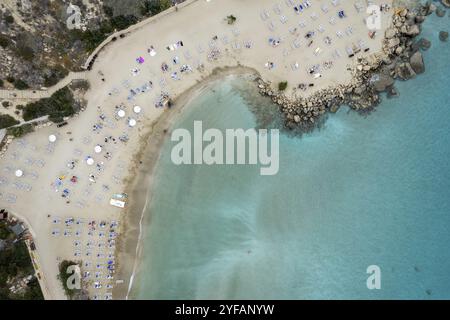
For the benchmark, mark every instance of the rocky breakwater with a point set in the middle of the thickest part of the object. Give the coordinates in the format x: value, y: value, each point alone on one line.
x: 399, y: 59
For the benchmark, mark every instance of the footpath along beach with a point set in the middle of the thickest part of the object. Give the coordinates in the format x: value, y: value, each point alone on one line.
x: 139, y: 83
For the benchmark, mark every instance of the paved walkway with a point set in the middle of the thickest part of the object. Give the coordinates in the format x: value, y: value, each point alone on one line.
x: 39, y: 94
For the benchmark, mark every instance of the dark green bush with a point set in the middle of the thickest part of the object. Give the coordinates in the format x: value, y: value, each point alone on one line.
x: 7, y: 121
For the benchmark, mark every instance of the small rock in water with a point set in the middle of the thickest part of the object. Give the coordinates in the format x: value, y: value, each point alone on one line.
x: 443, y: 35
x: 416, y: 62
x: 423, y: 44
x: 446, y: 3
x: 440, y: 12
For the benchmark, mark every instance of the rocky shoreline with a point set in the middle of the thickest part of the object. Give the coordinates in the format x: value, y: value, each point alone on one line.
x: 400, y: 59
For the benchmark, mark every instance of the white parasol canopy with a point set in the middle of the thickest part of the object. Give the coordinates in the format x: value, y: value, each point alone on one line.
x: 121, y: 113
x: 132, y: 122
x: 19, y: 173
x: 52, y: 138
x: 98, y: 149
x: 137, y: 109
x: 90, y: 161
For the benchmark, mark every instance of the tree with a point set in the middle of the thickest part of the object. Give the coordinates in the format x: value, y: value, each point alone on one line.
x: 231, y: 19
x: 282, y: 85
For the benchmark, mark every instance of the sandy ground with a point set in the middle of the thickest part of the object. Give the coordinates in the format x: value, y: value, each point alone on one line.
x: 62, y: 226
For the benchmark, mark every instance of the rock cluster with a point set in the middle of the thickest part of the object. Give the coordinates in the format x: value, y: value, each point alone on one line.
x: 399, y: 59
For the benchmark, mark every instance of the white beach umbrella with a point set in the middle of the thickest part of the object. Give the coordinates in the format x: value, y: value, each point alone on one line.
x: 90, y: 161
x: 19, y: 173
x: 121, y: 113
x: 137, y: 109
x: 132, y: 122
x: 52, y: 138
x: 98, y: 149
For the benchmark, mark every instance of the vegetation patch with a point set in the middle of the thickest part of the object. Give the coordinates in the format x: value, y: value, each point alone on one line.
x: 7, y: 121
x: 15, y: 266
x: 20, y: 131
x: 282, y: 85
x: 61, y: 104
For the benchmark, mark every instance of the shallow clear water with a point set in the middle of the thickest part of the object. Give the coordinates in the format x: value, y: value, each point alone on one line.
x: 360, y: 191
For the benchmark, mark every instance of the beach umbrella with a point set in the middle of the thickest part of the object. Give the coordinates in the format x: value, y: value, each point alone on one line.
x: 98, y: 149
x: 137, y: 109
x: 19, y: 173
x: 52, y: 138
x: 132, y: 122
x: 121, y: 113
x: 90, y: 161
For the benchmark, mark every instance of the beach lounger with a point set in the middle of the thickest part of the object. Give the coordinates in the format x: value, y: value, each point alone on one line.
x: 225, y: 40
x: 339, y: 34
x: 335, y: 2
x: 289, y: 3
x: 200, y: 49
x: 314, y: 16
x: 332, y: 21
x: 283, y: 19
x: 324, y: 8
x: 264, y: 16
x: 359, y: 7
x: 187, y: 55
x: 317, y: 51
x: 294, y: 66
x: 296, y: 44
x: 350, y: 52
x: 302, y: 23
x: 349, y: 31
x: 337, y: 54
x: 320, y: 28
x: 277, y: 9
x: 236, y: 32
x: 286, y: 52
x: 362, y: 44
x: 271, y: 26
x: 248, y: 44
x: 236, y: 45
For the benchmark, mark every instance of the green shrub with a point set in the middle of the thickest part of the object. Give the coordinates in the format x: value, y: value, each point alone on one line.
x: 20, y: 131
x: 282, y: 85
x: 231, y: 19
x: 9, y: 19
x: 20, y: 85
x: 7, y: 121
x: 4, y: 41
x: 2, y: 83
x: 153, y: 7
x: 59, y: 105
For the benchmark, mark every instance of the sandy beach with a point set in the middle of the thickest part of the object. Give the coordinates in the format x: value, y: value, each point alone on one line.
x: 65, y: 191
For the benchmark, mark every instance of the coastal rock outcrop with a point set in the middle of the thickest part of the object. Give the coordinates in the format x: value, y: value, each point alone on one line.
x: 382, y: 81
x: 443, y: 35
x: 404, y: 71
x: 416, y: 62
x: 400, y: 58
x: 446, y: 3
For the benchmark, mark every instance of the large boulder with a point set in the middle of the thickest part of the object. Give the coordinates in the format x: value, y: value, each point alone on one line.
x: 390, y: 33
x: 443, y: 35
x: 382, y: 81
x: 405, y: 71
x: 416, y: 62
x: 446, y: 3
x: 413, y: 30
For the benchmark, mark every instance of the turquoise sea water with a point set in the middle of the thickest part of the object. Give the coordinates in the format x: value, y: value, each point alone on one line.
x: 361, y: 191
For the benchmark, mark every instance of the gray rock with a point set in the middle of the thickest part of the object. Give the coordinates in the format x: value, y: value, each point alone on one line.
x: 413, y: 30
x: 405, y: 71
x: 440, y: 12
x: 393, y: 42
x: 446, y: 3
x: 416, y: 62
x: 419, y: 19
x: 443, y: 35
x: 390, y: 33
x: 382, y: 81
x: 423, y: 44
